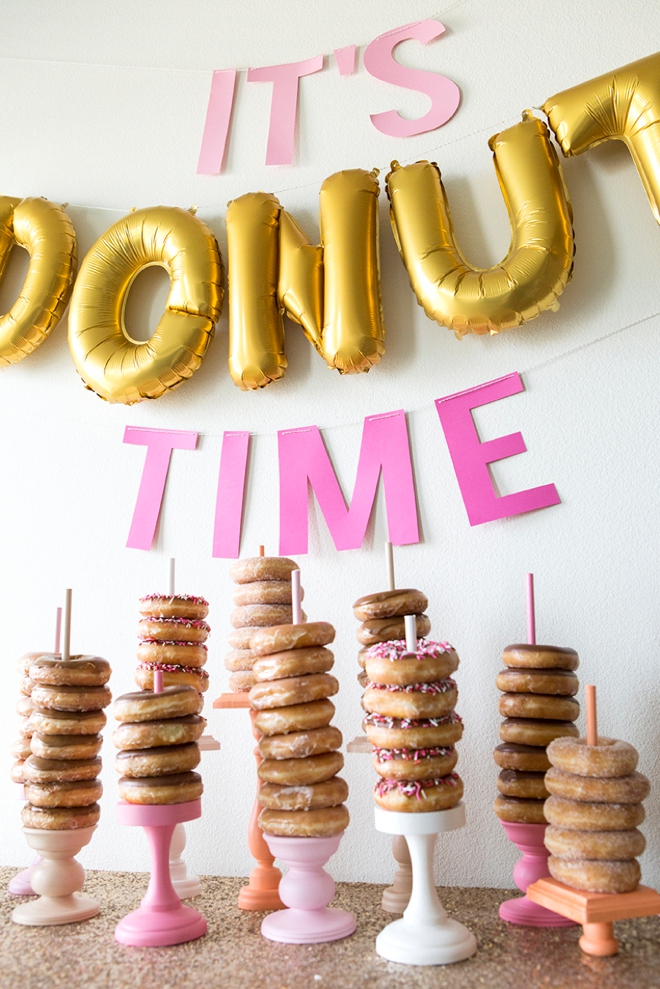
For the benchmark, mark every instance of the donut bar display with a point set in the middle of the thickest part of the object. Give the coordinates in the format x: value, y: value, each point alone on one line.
x: 172, y: 638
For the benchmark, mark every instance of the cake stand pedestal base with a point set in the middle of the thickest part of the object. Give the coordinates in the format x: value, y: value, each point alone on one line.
x: 528, y: 838
x: 56, y: 878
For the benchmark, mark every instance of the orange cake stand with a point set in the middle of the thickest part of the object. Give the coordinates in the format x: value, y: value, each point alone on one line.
x: 595, y: 911
x: 261, y: 892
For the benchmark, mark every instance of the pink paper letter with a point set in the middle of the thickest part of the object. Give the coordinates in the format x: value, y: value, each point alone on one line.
x: 303, y: 458
x: 471, y: 457
x: 284, y: 105
x: 345, y: 58
x: 445, y: 95
x: 231, y: 490
x: 159, y: 444
x: 218, y: 117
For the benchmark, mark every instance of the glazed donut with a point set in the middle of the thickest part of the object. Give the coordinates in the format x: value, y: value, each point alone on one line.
x: 178, y: 788
x: 67, y: 722
x: 578, y: 815
x: 26, y: 685
x: 240, y: 659
x: 27, y: 659
x: 525, y: 758
x: 414, y: 764
x: 403, y: 672
x: 299, y: 744
x: 388, y: 604
x: 39, y: 770
x: 21, y: 748
x: 293, y: 663
x: 519, y: 811
x: 301, y: 772
x: 539, y: 706
x: 613, y: 790
x: 293, y: 691
x: 528, y: 731
x: 173, y: 653
x: 383, y: 629
x: 60, y: 818
x: 419, y: 796
x: 281, y: 638
x: 613, y: 845
x: 416, y: 700
x: 179, y: 606
x: 321, y: 823
x: 362, y: 656
x: 258, y: 568
x: 25, y: 728
x: 363, y: 679
x: 66, y: 746
x: 161, y: 760
x: 150, y: 734
x: 261, y: 615
x: 596, y: 877
x: 17, y: 772
x: 609, y: 758
x: 412, y: 733
x: 558, y: 682
x: 527, y: 786
x: 24, y: 706
x: 82, y: 793
x: 78, y: 671
x: 172, y: 702
x: 173, y: 676
x: 523, y: 656
x: 65, y: 698
x: 242, y: 681
x: 295, y: 717
x: 330, y: 793
x: 264, y: 592
x: 173, y: 629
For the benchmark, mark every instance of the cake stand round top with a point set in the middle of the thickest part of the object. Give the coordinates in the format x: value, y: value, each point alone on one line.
x: 426, y: 822
x: 158, y: 814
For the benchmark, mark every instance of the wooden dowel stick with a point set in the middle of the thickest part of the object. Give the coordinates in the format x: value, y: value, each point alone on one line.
x: 295, y: 597
x: 389, y: 566
x: 66, y: 645
x: 531, y: 614
x: 58, y: 629
x: 262, y: 551
x: 411, y: 633
x: 172, y: 575
x: 592, y: 720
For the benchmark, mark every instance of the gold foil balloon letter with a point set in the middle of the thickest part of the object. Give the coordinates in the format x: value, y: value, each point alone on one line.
x: 331, y: 290
x: 112, y: 364
x: 623, y: 105
x: 46, y: 233
x: 540, y: 259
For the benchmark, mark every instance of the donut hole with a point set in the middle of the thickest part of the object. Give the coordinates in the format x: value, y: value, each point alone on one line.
x: 145, y: 302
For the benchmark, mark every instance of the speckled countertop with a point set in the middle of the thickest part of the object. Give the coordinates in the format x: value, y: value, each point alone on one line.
x: 234, y: 955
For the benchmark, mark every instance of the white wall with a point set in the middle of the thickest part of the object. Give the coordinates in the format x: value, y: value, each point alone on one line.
x: 103, y: 105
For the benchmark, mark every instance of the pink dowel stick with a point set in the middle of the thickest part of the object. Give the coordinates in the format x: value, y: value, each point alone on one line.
x: 531, y: 614
x: 389, y: 566
x: 592, y: 723
x: 66, y: 645
x: 411, y: 633
x: 295, y: 597
x: 158, y: 681
x: 58, y: 629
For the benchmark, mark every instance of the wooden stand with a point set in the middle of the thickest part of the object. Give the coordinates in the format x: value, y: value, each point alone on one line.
x: 56, y: 879
x: 261, y: 892
x: 595, y: 911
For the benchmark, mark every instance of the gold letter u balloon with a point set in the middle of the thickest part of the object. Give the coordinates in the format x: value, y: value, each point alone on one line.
x: 540, y: 258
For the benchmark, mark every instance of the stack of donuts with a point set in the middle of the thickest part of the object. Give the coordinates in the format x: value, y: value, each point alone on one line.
x: 61, y: 775
x: 382, y: 617
x: 594, y: 810
x: 172, y: 634
x: 157, y: 742
x: 412, y: 725
x: 262, y: 599
x: 539, y: 685
x: 301, y: 794
x: 21, y: 750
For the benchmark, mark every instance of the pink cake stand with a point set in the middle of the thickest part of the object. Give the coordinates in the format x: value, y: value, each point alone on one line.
x: 306, y: 889
x: 161, y: 919
x: 533, y: 865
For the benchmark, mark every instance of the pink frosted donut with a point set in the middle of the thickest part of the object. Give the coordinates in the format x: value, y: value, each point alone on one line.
x: 176, y: 606
x: 177, y: 653
x: 391, y: 663
x: 173, y: 629
x: 173, y: 676
x: 415, y: 797
x: 415, y: 700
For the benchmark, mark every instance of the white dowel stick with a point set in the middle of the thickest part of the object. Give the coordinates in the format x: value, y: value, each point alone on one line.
x: 531, y: 611
x: 389, y: 566
x: 58, y: 629
x: 411, y: 633
x: 66, y: 644
x: 172, y: 574
x: 295, y: 597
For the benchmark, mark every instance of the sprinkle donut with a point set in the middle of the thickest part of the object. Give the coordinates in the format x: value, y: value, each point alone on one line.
x: 412, y: 733
x: 173, y: 606
x: 281, y: 638
x: 383, y: 629
x: 301, y: 772
x: 305, y: 823
x: 595, y: 876
x: 173, y: 675
x: 415, y: 700
x: 172, y: 702
x: 390, y: 604
x: 315, y: 796
x: 389, y: 662
x: 295, y: 717
x: 606, y: 759
x: 293, y: 691
x: 414, y: 764
x: 174, y: 653
x: 419, y: 796
x: 258, y: 568
x: 173, y: 629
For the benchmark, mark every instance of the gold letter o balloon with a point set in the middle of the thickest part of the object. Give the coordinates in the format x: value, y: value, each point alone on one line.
x: 47, y: 234
x: 112, y: 364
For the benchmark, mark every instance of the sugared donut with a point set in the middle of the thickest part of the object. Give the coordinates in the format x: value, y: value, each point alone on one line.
x: 412, y: 733
x: 240, y: 659
x: 299, y: 744
x: 305, y: 823
x: 415, y: 700
x: 178, y: 788
x: 529, y: 731
x: 149, y: 734
x: 539, y: 706
x: 264, y: 592
x: 81, y: 793
x: 293, y: 690
x: 242, y: 681
x: 240, y: 638
x: 526, y: 786
x: 38, y: 770
x: 388, y: 604
x: 614, y: 789
x: 78, y: 671
x: 173, y: 676
x: 66, y: 746
x: 578, y: 815
x: 295, y: 717
x: 558, y: 682
x: 330, y: 793
x: 160, y: 760
x: 177, y: 606
x: 60, y: 818
x: 614, y: 845
x: 172, y: 653
x: 48, y: 722
x: 301, y: 772
x: 280, y: 638
x: 173, y: 629
x: 524, y: 758
x: 172, y: 702
x: 383, y: 629
x: 595, y: 876
x: 258, y: 568
x: 390, y: 662
x: 65, y: 698
x: 260, y: 615
x: 419, y: 796
x: 414, y: 764
x: 293, y: 663
x: 608, y: 758
x: 534, y: 657
x: 518, y: 811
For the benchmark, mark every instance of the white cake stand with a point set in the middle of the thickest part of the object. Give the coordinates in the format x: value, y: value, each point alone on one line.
x: 425, y: 935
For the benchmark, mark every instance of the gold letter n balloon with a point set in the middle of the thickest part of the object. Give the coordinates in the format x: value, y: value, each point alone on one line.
x: 540, y: 259
x: 108, y: 360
